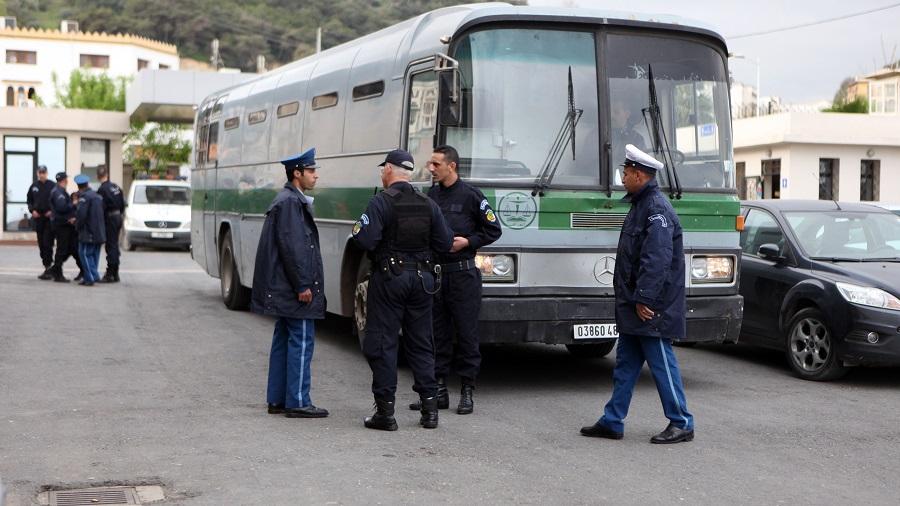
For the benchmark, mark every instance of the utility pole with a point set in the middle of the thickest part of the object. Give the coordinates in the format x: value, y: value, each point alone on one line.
x: 319, y: 40
x: 215, y: 59
x: 260, y: 64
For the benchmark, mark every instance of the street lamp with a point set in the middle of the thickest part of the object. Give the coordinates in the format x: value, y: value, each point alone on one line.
x: 754, y: 61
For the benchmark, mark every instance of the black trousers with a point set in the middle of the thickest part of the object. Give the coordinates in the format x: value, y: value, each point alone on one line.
x: 396, y: 302
x: 44, y: 239
x: 66, y: 246
x: 456, y: 309
x: 113, y: 227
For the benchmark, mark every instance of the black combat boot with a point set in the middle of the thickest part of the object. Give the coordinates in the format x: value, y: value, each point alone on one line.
x: 383, y: 419
x: 80, y: 276
x: 466, y: 403
x: 443, y: 397
x: 58, y: 275
x: 107, y: 276
x: 48, y: 274
x: 115, y: 274
x: 429, y: 418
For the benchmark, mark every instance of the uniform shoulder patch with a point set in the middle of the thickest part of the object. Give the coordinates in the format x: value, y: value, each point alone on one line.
x: 356, y: 228
x: 490, y: 215
x: 660, y: 218
x: 484, y: 204
x: 364, y: 219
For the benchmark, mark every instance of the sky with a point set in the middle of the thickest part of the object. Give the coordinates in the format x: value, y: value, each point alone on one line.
x: 802, y: 65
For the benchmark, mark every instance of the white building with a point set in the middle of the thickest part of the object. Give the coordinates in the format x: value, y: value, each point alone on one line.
x: 884, y: 92
x: 743, y: 100
x: 834, y: 156
x: 31, y: 57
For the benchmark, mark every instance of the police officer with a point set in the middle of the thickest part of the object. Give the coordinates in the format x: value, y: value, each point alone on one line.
x: 91, y: 228
x: 39, y: 207
x: 650, y: 304
x: 400, y: 228
x: 63, y: 223
x: 288, y: 283
x: 113, y: 207
x: 457, y: 304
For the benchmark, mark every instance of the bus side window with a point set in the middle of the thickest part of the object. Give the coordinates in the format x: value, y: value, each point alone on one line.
x: 423, y: 98
x: 212, y: 153
x: 203, y: 145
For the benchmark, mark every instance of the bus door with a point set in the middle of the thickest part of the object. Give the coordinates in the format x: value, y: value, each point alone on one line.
x: 210, y: 207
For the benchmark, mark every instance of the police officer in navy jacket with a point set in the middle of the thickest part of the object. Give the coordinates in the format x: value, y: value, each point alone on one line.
x: 288, y: 283
x: 39, y: 207
x: 63, y: 223
x: 400, y: 228
x: 113, y: 208
x: 91, y: 229
x: 650, y: 304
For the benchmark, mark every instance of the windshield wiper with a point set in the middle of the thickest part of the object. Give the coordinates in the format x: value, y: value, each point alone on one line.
x: 837, y: 259
x: 882, y: 259
x: 565, y: 136
x: 658, y: 133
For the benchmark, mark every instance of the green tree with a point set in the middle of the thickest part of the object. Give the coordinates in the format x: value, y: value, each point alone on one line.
x: 91, y: 91
x: 858, y: 106
x: 156, y: 146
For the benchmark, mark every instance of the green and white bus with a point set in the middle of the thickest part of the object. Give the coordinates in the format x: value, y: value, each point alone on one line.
x: 539, y: 102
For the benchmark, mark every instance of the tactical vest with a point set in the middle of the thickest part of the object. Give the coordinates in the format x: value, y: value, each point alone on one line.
x: 409, y: 231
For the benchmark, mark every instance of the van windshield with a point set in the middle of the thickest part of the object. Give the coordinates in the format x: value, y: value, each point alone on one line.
x: 160, y: 194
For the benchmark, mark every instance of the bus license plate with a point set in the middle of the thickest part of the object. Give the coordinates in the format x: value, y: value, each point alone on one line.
x: 595, y: 331
x: 162, y: 235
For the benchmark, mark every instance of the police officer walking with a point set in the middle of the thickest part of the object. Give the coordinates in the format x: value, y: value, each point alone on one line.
x: 113, y: 207
x: 91, y: 228
x: 457, y: 304
x: 288, y: 283
x: 400, y: 228
x: 650, y: 304
x: 63, y: 223
x: 39, y: 207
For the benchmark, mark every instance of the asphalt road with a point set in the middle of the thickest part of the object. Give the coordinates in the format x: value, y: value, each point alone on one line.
x: 154, y: 381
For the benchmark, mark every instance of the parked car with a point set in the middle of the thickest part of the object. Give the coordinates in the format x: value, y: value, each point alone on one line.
x: 821, y: 281
x: 158, y: 214
x: 894, y: 208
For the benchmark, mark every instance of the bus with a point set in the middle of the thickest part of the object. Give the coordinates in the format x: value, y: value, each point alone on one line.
x: 540, y: 103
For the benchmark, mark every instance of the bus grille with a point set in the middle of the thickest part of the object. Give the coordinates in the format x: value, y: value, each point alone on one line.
x: 595, y: 220
x: 162, y: 224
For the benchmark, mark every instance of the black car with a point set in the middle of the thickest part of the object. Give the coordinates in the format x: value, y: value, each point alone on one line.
x: 821, y: 281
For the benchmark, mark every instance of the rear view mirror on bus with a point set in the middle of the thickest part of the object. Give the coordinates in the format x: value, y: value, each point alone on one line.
x: 448, y: 108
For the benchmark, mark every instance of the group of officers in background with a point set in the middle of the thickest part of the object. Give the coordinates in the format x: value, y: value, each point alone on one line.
x: 79, y: 224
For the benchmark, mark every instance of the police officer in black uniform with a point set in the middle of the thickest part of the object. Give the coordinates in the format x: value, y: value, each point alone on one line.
x: 113, y: 207
x: 63, y: 228
x: 400, y: 228
x: 39, y: 207
x: 458, y: 303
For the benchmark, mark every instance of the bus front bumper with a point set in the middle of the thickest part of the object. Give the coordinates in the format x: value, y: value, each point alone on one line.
x: 550, y: 320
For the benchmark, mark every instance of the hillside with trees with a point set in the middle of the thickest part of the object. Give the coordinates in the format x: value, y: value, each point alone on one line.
x: 281, y: 30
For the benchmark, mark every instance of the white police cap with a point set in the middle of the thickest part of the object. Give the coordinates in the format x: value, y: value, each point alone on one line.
x: 636, y: 158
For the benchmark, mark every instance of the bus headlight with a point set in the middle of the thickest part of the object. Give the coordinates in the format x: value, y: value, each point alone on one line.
x: 496, y: 268
x: 712, y: 269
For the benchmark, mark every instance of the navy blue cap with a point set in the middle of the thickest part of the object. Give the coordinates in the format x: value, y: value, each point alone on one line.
x: 81, y: 179
x: 305, y: 160
x: 400, y: 158
x: 61, y: 176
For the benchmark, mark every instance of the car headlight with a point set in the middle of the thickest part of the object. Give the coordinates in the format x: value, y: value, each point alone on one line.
x: 133, y: 223
x: 496, y: 267
x: 186, y: 225
x: 712, y: 269
x: 868, y: 296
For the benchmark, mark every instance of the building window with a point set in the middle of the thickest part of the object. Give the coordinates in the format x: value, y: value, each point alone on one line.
x: 771, y: 170
x: 143, y: 64
x: 163, y: 66
x: 828, y: 179
x: 10, y: 96
x: 890, y: 98
x: 741, y: 170
x: 326, y: 100
x: 21, y: 156
x: 22, y: 57
x: 94, y: 153
x: 94, y: 61
x: 869, y: 172
x: 288, y: 109
x: 876, y: 104
x: 368, y: 90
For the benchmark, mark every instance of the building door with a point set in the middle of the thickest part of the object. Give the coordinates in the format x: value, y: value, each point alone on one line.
x: 828, y: 177
x: 868, y: 180
x: 20, y: 171
x: 771, y: 170
x: 740, y: 174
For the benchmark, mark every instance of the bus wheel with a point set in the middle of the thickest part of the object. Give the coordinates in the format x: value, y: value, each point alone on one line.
x: 360, y: 297
x: 235, y: 295
x: 592, y: 350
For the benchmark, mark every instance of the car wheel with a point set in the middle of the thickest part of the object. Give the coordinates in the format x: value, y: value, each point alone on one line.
x: 235, y: 295
x: 360, y: 299
x: 592, y: 350
x: 811, y: 350
x: 127, y: 243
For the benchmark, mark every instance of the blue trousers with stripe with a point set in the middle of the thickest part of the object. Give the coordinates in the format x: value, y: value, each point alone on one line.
x: 289, y: 362
x: 631, y: 353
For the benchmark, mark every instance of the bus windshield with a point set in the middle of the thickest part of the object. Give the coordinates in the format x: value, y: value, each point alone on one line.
x: 515, y: 100
x: 692, y: 92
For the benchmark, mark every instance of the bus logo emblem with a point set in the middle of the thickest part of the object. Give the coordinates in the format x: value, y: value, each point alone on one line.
x: 517, y: 210
x: 604, y: 270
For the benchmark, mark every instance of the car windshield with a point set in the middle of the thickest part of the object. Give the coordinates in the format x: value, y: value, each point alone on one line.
x: 162, y: 194
x: 845, y: 235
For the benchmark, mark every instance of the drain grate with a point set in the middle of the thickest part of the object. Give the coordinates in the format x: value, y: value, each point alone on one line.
x: 90, y: 496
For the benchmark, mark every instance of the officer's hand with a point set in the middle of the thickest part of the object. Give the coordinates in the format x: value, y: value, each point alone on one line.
x: 305, y: 296
x: 35, y: 214
x: 72, y: 221
x: 644, y: 312
x: 48, y: 214
x: 459, y: 244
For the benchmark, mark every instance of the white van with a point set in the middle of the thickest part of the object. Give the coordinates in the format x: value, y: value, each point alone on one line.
x: 158, y: 214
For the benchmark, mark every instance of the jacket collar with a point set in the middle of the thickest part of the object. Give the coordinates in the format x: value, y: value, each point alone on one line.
x: 648, y: 188
x: 303, y: 197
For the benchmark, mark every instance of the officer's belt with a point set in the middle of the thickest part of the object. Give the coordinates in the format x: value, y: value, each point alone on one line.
x: 405, y: 265
x: 115, y: 212
x: 462, y: 265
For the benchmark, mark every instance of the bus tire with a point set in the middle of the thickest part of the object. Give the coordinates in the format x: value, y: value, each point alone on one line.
x: 235, y: 295
x: 360, y: 298
x: 591, y: 350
